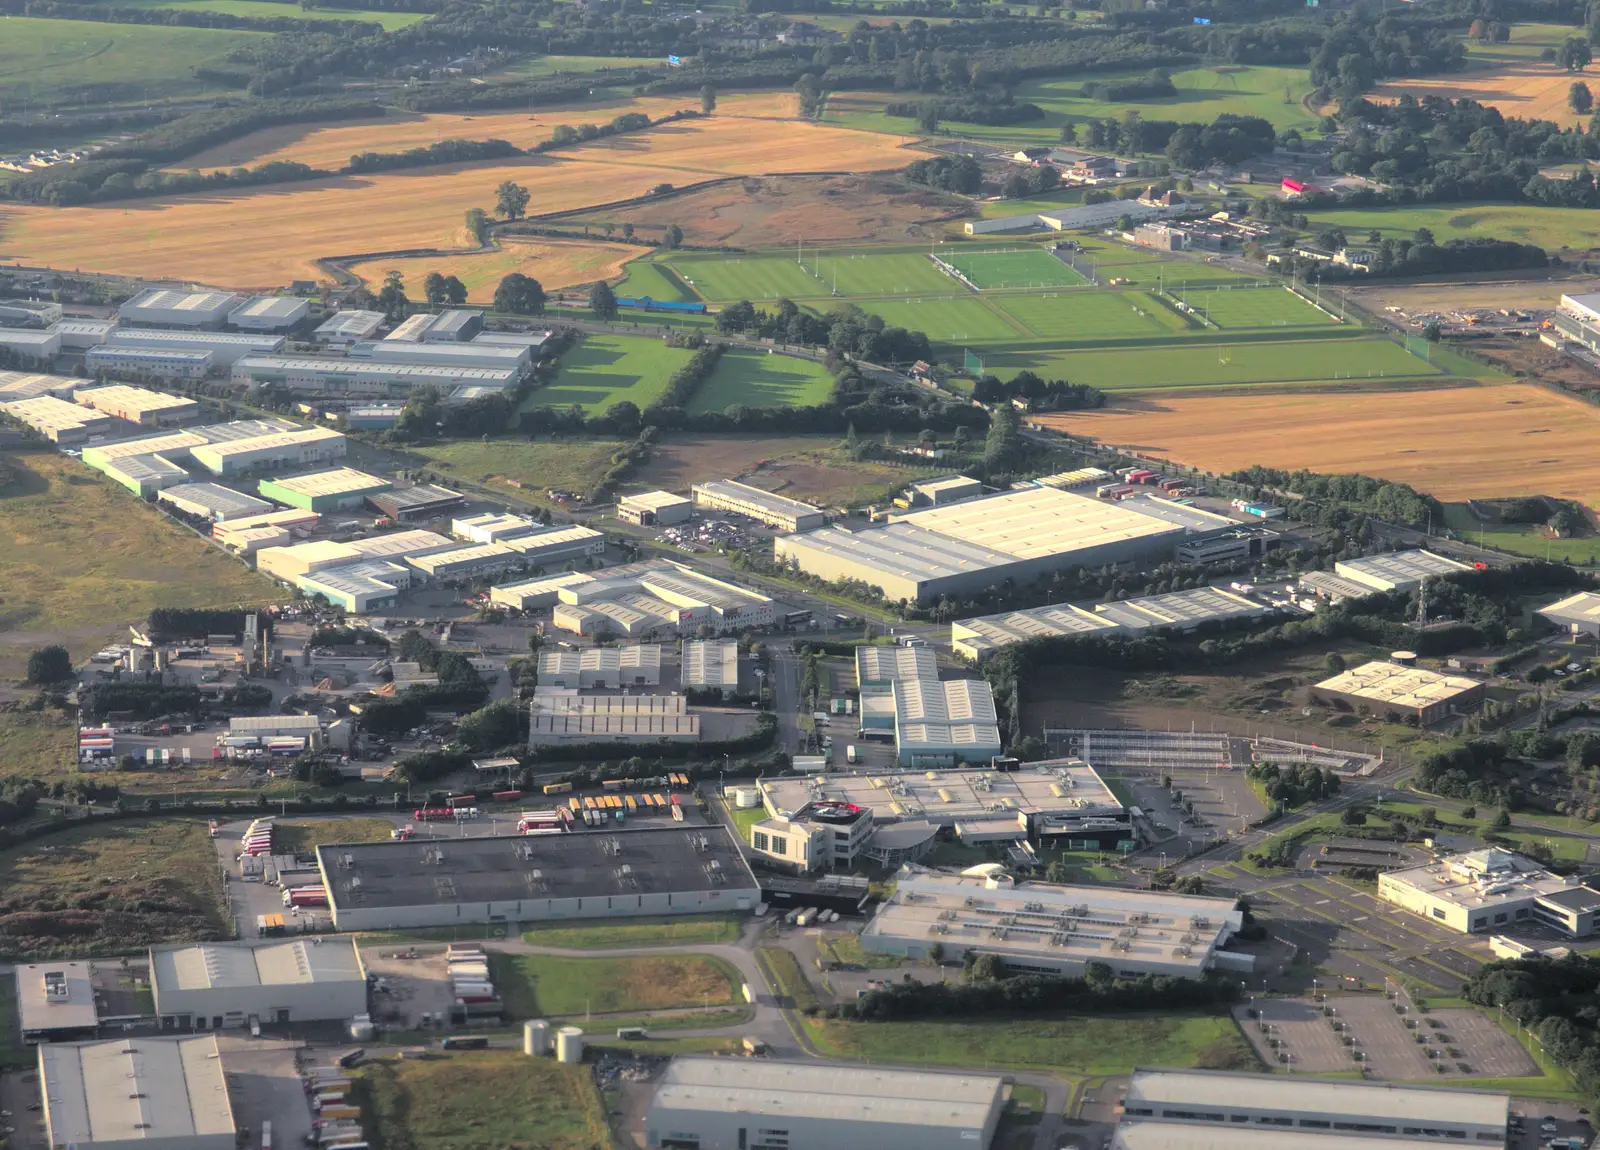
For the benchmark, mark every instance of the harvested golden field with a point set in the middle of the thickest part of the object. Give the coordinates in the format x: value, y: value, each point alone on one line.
x: 268, y: 236
x: 1455, y: 443
x: 554, y: 263
x: 1510, y: 77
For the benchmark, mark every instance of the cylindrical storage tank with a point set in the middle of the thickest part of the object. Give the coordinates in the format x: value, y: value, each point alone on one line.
x: 569, y: 1044
x: 744, y: 798
x: 536, y: 1037
x: 1404, y: 658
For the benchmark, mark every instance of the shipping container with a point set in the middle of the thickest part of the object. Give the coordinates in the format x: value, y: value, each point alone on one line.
x: 613, y: 784
x: 557, y: 788
x: 456, y: 801
x: 506, y: 796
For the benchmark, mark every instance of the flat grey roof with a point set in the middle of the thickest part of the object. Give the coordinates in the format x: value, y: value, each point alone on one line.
x: 71, y: 1008
x: 229, y: 965
x: 827, y: 1091
x: 421, y: 495
x: 133, y: 1090
x: 757, y: 496
x: 216, y: 498
x: 272, y: 306
x: 432, y: 872
x: 1321, y: 1096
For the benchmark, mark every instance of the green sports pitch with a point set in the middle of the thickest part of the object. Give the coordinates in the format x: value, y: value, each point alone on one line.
x: 813, y: 275
x: 1092, y: 315
x: 1014, y: 268
x: 1255, y: 307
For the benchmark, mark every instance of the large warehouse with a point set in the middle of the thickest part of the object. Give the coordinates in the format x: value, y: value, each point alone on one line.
x: 139, y: 405
x: 597, y: 668
x: 272, y: 313
x: 1173, y: 611
x: 943, y: 723
x: 226, y: 348
x: 146, y: 1092
x: 1216, y: 1110
x: 282, y: 449
x: 1577, y: 614
x: 40, y: 346
x: 323, y: 490
x: 421, y: 501
x: 348, y: 327
x: 1397, y: 571
x: 18, y: 385
x: 147, y: 362
x: 774, y: 510
x: 977, y: 543
x: 145, y: 466
x: 450, y: 355
x: 213, y: 501
x: 638, y: 598
x: 1044, y: 928
x: 745, y: 1104
x: 57, y: 420
x: 561, y: 715
x: 447, y: 882
x: 227, y: 984
x: 1491, y: 890
x: 654, y: 509
x: 1397, y: 692
x: 160, y: 307
x: 363, y: 376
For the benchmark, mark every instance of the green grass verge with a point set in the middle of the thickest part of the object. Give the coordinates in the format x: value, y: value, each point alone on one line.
x: 652, y: 931
x: 847, y: 949
x: 791, y: 981
x: 605, y: 369
x: 268, y: 9
x: 1519, y: 538
x: 757, y: 379
x: 539, y: 985
x: 743, y: 820
x: 529, y: 469
x: 292, y: 838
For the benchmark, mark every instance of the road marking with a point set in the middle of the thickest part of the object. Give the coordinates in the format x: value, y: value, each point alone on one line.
x: 1320, y: 901
x: 1363, y: 918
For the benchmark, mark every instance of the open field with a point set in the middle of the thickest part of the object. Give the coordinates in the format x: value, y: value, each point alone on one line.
x: 82, y: 558
x: 474, y: 1099
x: 813, y: 468
x: 762, y: 380
x: 1520, y: 538
x: 563, y: 65
x: 37, y: 744
x: 536, y: 985
x: 554, y: 263
x: 82, y: 61
x: 536, y: 467
x: 271, y: 10
x: 644, y: 277
x: 1533, y: 292
x: 111, y: 888
x: 1455, y: 443
x: 276, y: 233
x: 1093, y: 315
x: 671, y: 930
x: 1255, y: 308
x: 606, y: 369
x: 1550, y: 228
x: 305, y: 835
x: 1021, y: 267
x: 1096, y: 1045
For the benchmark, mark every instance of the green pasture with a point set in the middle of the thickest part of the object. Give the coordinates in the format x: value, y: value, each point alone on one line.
x: 1549, y: 228
x: 52, y: 62
x: 1049, y: 202
x: 1092, y: 315
x: 759, y: 379
x: 1519, y: 538
x: 657, y: 281
x: 271, y: 9
x: 607, y: 369
x: 1218, y: 365
x: 1255, y: 307
x: 959, y: 320
x: 1022, y: 267
x: 1528, y: 42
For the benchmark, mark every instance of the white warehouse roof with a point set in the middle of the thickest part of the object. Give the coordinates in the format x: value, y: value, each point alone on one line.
x: 222, y: 966
x: 156, y: 1091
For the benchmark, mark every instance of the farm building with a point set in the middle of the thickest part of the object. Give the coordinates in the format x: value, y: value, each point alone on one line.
x: 597, y: 667
x: 347, y: 327
x: 270, y: 313
x: 491, y: 527
x: 29, y: 313
x: 656, y: 593
x: 282, y: 449
x: 18, y: 385
x: 1490, y: 891
x: 1397, y: 571
x: 454, y: 326
x: 139, y: 405
x: 361, y: 376
x: 654, y: 509
x: 764, y: 506
x: 467, y: 562
x: 451, y: 355
x: 422, y: 501
x: 1020, y: 535
x: 732, y: 1104
x: 229, y: 983
x: 1396, y: 692
x: 1053, y: 929
x: 322, y: 491
x: 711, y: 663
x: 161, y: 307
x: 212, y: 501
x: 81, y: 334
x: 424, y: 882
x: 1181, y: 1110
x: 561, y: 715
x: 55, y: 1001
x: 26, y: 343
x: 147, y: 362
x: 226, y: 348
x: 57, y: 420
x: 149, y: 1092
x: 1578, y: 614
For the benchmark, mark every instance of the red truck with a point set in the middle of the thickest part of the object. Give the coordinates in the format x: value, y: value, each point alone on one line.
x: 434, y: 815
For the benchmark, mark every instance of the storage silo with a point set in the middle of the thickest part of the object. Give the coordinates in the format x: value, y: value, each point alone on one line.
x: 569, y: 1044
x: 536, y: 1037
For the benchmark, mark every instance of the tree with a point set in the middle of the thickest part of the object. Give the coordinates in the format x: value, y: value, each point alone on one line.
x: 519, y: 295
x: 1333, y: 663
x: 1580, y: 99
x: 1469, y: 812
x: 1502, y: 820
x: 433, y: 288
x: 478, y: 225
x: 672, y: 238
x: 1428, y: 816
x: 928, y: 116
x: 392, y: 299
x: 1069, y: 133
x: 49, y: 664
x: 511, y: 200
x: 708, y: 100
x: 1353, y: 817
x: 455, y: 292
x: 1575, y: 55
x: 1000, y: 449
x: 603, y: 301
x: 1432, y: 331
x: 1422, y: 236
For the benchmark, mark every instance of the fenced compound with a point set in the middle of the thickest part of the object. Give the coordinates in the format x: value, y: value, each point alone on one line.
x: 1164, y: 750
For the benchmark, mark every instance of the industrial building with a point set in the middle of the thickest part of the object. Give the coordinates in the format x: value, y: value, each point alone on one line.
x: 82, y: 334
x: 1577, y: 614
x: 272, y: 313
x: 229, y: 984
x: 373, y: 585
x: 147, y: 362
x: 343, y: 328
x: 456, y: 325
x: 19, y: 385
x: 374, y: 418
x: 323, y: 490
x: 57, y: 420
x: 493, y: 356
x: 160, y: 307
x: 212, y: 501
x: 977, y: 543
x: 363, y: 376
x: 468, y: 562
x: 826, y: 834
x: 939, y: 492
x: 284, y: 519
x: 297, y: 448
x: 55, y: 1001
x: 448, y: 882
x: 943, y: 723
x: 601, y: 667
x: 148, y: 1092
x: 1075, y: 480
x: 412, y: 328
x: 29, y: 313
x: 1043, y: 928
x: 1397, y: 571
x: 226, y: 348
x: 763, y: 506
x: 561, y: 715
x: 362, y: 575
x: 26, y: 343
x: 1175, y: 611
x: 532, y: 340
x: 492, y: 527
x: 419, y: 502
x: 881, y: 666
x: 756, y: 1104
x: 1396, y: 693
x: 145, y: 466
x: 1217, y: 1110
x: 139, y: 405
x: 654, y: 509
x: 1488, y: 890
x: 711, y: 663
x: 550, y: 546
x: 639, y: 598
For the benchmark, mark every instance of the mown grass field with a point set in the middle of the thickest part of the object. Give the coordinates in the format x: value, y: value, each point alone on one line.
x: 1255, y: 308
x: 537, y: 467
x: 1092, y: 315
x: 649, y: 931
x: 1549, y: 228
x: 470, y: 1100
x: 756, y: 379
x: 648, y: 278
x: 1015, y: 268
x: 56, y: 61
x: 956, y: 320
x: 605, y: 369
x: 268, y: 9
x: 537, y: 985
x: 784, y: 275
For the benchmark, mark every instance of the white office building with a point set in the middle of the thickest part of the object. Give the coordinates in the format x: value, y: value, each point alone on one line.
x: 1491, y: 891
x: 764, y: 506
